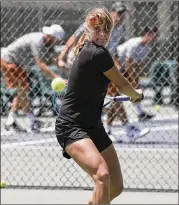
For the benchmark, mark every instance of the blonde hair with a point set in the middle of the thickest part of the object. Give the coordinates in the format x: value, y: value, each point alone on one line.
x: 96, y: 18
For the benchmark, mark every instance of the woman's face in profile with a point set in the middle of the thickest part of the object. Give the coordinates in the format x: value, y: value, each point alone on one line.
x: 99, y: 36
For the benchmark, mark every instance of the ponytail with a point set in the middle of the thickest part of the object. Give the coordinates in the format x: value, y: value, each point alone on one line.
x: 80, y: 44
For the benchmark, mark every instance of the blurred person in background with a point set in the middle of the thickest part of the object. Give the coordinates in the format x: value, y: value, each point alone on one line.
x: 26, y: 50
x: 132, y: 59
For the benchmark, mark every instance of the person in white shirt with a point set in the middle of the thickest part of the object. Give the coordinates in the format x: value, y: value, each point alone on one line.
x: 134, y: 50
x: 26, y: 50
x: 132, y: 58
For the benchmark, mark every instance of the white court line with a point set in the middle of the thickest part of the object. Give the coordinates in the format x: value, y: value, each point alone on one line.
x: 120, y: 132
x: 156, y: 118
x: 154, y: 129
x: 16, y: 144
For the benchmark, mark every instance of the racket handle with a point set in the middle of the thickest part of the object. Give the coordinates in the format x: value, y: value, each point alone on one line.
x: 121, y: 98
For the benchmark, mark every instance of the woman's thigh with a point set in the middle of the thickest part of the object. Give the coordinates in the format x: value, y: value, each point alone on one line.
x: 112, y: 161
x: 87, y: 156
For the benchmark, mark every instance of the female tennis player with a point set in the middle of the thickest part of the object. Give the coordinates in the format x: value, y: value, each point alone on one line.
x: 79, y: 129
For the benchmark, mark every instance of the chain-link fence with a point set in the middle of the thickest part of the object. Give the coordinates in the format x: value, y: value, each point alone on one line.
x: 151, y: 162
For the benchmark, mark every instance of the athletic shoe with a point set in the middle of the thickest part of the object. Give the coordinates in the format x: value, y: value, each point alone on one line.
x: 145, y: 116
x: 15, y: 127
x: 134, y: 132
x: 35, y: 127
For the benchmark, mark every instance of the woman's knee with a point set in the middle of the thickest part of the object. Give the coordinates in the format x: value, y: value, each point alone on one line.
x: 102, y: 175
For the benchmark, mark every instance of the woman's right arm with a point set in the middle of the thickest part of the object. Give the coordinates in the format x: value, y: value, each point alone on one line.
x: 122, y: 83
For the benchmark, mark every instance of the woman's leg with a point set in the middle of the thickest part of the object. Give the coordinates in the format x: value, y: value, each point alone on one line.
x: 86, y: 155
x: 116, y: 179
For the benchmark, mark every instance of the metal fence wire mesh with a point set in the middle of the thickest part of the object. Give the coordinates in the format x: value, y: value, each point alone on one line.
x: 35, y: 160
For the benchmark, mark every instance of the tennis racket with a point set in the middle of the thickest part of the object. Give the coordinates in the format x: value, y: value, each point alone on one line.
x: 116, y: 99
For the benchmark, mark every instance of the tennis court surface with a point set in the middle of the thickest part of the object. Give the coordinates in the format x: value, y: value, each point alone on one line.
x: 149, y: 164
x: 21, y: 196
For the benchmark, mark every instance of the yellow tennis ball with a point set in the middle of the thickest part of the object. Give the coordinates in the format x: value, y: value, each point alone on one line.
x: 3, y: 184
x: 157, y: 107
x: 58, y: 84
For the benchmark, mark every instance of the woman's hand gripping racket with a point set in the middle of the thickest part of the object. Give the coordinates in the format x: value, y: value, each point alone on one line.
x: 116, y: 99
x: 122, y: 99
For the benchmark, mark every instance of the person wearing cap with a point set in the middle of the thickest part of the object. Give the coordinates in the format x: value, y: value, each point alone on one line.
x: 23, y: 52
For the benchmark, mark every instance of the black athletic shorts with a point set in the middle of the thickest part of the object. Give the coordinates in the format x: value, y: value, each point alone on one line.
x: 67, y: 133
